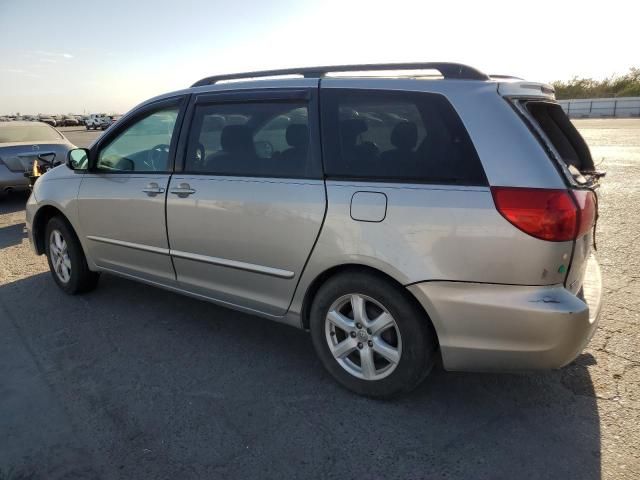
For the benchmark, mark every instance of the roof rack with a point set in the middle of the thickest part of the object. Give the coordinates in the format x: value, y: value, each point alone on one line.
x: 504, y: 77
x: 447, y: 70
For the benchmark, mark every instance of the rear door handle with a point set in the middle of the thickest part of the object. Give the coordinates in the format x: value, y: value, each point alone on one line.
x: 183, y: 190
x: 153, y: 189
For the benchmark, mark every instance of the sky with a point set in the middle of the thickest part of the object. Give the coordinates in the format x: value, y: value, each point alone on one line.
x: 79, y: 56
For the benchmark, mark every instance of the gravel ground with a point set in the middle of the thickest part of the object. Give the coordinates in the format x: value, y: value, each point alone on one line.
x: 134, y: 382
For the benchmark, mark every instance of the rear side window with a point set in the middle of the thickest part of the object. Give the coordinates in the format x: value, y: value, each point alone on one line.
x: 564, y: 137
x: 396, y: 136
x: 251, y: 139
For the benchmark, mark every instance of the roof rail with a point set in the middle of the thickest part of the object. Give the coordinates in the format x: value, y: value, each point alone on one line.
x: 504, y: 77
x: 447, y: 70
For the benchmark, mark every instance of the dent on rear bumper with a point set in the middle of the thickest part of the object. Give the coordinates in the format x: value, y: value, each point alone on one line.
x: 510, y: 327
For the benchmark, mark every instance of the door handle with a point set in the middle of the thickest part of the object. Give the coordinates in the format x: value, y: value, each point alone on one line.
x: 183, y: 190
x: 153, y: 189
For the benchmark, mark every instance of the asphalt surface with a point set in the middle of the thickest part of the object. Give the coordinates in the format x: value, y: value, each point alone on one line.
x: 131, y: 382
x: 80, y: 137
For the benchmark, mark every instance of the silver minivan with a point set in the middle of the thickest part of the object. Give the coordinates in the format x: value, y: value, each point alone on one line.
x: 402, y: 213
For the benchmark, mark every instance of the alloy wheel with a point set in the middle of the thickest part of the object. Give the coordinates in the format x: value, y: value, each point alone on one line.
x: 59, y: 256
x: 363, y: 337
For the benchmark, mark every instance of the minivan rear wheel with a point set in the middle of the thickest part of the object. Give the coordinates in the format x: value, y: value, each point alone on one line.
x: 371, y: 336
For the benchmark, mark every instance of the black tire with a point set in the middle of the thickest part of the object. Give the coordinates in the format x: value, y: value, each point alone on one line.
x: 418, y: 347
x: 81, y: 279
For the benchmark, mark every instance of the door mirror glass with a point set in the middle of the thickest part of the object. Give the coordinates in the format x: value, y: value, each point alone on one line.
x: 78, y: 159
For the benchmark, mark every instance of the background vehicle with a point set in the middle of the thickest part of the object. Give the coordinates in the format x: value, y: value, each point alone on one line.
x: 20, y: 145
x: 69, y: 121
x: 48, y: 120
x: 390, y: 216
x: 109, y: 120
x: 95, y: 121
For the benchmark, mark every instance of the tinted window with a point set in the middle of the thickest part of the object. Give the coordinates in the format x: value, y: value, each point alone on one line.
x: 28, y: 133
x: 142, y: 147
x: 562, y: 134
x: 251, y: 139
x: 383, y: 135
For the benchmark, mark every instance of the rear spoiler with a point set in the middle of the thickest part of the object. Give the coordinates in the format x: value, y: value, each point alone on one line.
x: 520, y: 88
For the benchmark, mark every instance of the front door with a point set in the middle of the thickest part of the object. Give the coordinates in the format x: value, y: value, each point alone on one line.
x: 244, y: 213
x: 121, y: 201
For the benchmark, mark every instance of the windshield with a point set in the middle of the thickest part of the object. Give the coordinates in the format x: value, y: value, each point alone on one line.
x: 28, y: 133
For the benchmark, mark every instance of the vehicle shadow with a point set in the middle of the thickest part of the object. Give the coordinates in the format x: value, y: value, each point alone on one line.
x: 13, y: 202
x: 12, y: 235
x: 157, y: 384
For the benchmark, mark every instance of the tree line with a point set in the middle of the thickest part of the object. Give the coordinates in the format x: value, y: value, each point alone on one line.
x: 627, y: 85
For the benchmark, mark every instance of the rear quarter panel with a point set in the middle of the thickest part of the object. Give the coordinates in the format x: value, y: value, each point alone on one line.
x: 432, y: 232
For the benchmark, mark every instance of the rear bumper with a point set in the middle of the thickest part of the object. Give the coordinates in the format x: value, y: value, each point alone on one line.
x: 509, y: 327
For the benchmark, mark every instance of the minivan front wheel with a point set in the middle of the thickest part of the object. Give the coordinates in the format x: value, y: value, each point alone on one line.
x: 370, y: 335
x: 66, y: 258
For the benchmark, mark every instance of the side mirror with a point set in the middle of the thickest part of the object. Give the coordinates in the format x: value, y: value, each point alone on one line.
x: 78, y: 159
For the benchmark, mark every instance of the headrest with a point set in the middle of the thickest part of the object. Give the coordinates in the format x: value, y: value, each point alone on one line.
x: 297, y: 135
x: 404, y: 136
x: 236, y: 138
x: 353, y: 127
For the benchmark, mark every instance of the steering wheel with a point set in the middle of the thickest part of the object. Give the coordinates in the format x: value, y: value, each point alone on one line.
x: 199, y: 159
x: 264, y: 148
x: 156, y: 156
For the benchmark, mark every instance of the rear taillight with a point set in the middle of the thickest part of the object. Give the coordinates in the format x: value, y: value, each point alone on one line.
x: 542, y: 213
x: 587, y: 208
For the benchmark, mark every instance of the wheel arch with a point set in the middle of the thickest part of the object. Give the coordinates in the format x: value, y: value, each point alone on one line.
x: 345, y: 269
x: 39, y: 225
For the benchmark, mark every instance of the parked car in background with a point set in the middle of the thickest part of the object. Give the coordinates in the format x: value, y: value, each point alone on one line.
x: 20, y: 145
x: 398, y: 219
x: 69, y: 121
x: 95, y: 121
x: 48, y: 120
x: 109, y: 120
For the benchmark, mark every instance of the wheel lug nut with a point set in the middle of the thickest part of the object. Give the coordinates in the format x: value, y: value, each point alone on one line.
x: 360, y: 346
x: 358, y: 325
x: 353, y: 334
x: 370, y: 343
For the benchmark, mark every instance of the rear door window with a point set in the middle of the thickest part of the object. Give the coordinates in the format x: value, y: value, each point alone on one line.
x: 270, y: 139
x: 396, y: 136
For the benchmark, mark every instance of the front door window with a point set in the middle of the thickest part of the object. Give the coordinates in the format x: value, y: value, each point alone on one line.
x: 143, y: 147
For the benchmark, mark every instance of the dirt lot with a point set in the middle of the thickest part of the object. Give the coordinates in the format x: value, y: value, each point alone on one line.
x: 133, y: 382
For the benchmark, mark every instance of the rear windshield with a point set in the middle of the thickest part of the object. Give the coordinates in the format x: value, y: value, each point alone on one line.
x: 561, y: 133
x: 28, y: 133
